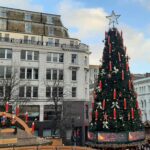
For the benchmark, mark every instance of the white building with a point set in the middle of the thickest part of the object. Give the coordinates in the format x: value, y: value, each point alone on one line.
x: 37, y: 46
x: 142, y: 87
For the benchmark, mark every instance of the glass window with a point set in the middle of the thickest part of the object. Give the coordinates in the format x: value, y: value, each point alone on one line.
x: 2, y: 53
x: 7, y: 37
x: 85, y: 61
x: 54, y: 92
x: 1, y: 71
x: 2, y: 12
x: 48, y: 91
x: 71, y: 43
x: 29, y: 73
x: 1, y: 91
x: 56, y: 42
x: 49, y: 56
x: 32, y: 39
x: 49, y: 19
x: 50, y: 41
x: 2, y: 24
x: 9, y: 53
x: 36, y: 55
x: 47, y: 133
x: 60, y: 74
x: 21, y: 91
x: 23, y: 54
x: 74, y: 91
x: 26, y: 39
x: 35, y: 91
x: 48, y: 74
x: 50, y: 31
x: 54, y: 74
x: 22, y: 73
x: 8, y: 72
x: 29, y: 55
x: 8, y: 91
x: 60, y: 91
x: 35, y: 73
x: 61, y: 57
x: 28, y: 27
x: 55, y: 57
x: 28, y: 91
x: 74, y: 75
x: 27, y: 17
x: 74, y: 58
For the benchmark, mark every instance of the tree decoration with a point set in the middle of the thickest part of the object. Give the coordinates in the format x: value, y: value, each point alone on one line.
x: 137, y: 104
x: 115, y: 104
x: 119, y: 57
x: 115, y: 70
x: 115, y: 93
x: 7, y: 106
x: 26, y: 117
x: 33, y: 127
x: 122, y: 75
x: 99, y: 105
x: 129, y: 84
x: 125, y: 104
x: 110, y: 66
x: 104, y: 104
x: 127, y: 66
x: 96, y: 115
x: 17, y: 110
x: 105, y: 116
x: 110, y: 48
x: 114, y: 112
x: 100, y: 85
x: 105, y: 124
x: 132, y: 113
x: 106, y: 35
x: 108, y: 39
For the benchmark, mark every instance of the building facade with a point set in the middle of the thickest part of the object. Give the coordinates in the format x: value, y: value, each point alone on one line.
x: 142, y: 87
x: 36, y: 50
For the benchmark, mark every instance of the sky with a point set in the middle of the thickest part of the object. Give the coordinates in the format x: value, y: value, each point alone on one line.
x: 86, y: 20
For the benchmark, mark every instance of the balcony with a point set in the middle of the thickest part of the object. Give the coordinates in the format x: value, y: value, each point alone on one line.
x: 80, y: 47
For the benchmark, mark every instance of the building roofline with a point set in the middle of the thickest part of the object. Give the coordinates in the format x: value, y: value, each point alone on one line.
x: 141, y: 80
x: 30, y: 11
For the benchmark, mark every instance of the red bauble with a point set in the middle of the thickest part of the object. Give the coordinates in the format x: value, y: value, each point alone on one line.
x: 129, y: 84
x: 33, y: 127
x: 96, y: 115
x: 132, y: 113
x: 115, y: 93
x: 125, y: 104
x: 110, y: 66
x: 122, y: 75
x: 6, y: 106
x: 100, y: 85
x: 104, y: 104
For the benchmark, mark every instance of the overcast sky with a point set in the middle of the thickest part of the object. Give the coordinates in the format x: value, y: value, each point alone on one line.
x: 86, y: 20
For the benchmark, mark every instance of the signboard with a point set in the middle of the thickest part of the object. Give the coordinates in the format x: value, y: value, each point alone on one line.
x: 135, y: 136
x: 112, y: 137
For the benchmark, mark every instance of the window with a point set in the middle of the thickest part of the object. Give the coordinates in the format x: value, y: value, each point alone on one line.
x: 28, y: 91
x: 29, y: 55
x: 61, y: 74
x: 48, y: 91
x: 2, y: 12
x: 49, y: 57
x: 8, y: 72
x: 74, y: 75
x: 25, y: 39
x: 32, y: 39
x: 1, y: 71
x: 50, y: 41
x: 54, y: 94
x: 21, y: 91
x: 85, y: 60
x: 29, y: 73
x: 85, y: 75
x: 22, y: 73
x: 35, y: 91
x: 27, y: 17
x: 28, y: 27
x: 48, y: 74
x: 36, y: 55
x: 50, y: 31
x: 7, y: 37
x: 55, y: 57
x: 71, y: 43
x: 74, y: 91
x: 54, y: 74
x: 56, y: 42
x: 8, y: 91
x: 2, y: 24
x: 35, y: 73
x: 61, y: 57
x: 2, y: 53
x: 86, y: 111
x: 49, y: 20
x: 1, y: 91
x: 60, y: 91
x: 74, y: 59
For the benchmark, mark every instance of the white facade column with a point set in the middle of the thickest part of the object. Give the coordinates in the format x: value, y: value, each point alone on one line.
x: 41, y: 112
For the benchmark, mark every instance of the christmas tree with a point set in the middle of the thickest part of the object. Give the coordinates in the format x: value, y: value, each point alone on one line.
x: 116, y: 117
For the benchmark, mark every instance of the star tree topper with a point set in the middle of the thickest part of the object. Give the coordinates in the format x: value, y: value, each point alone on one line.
x: 113, y: 18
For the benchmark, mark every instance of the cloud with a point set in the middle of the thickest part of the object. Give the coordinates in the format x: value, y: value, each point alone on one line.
x: 22, y: 4
x: 144, y: 3
x: 89, y: 22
